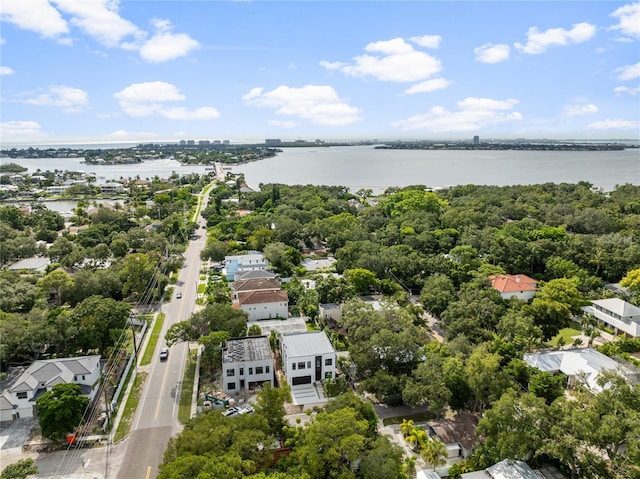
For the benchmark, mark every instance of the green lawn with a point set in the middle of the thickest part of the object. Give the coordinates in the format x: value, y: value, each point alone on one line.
x: 567, y: 334
x: 130, y: 407
x: 420, y: 417
x: 186, y: 392
x: 153, y: 340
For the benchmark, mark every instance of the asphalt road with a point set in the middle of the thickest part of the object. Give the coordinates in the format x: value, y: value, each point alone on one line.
x: 156, y: 419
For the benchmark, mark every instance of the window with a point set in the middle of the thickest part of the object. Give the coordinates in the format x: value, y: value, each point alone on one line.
x: 241, y: 371
x: 250, y: 370
x: 231, y: 386
x: 293, y: 366
x: 231, y: 372
x: 328, y: 362
x: 22, y: 395
x: 301, y: 365
x: 259, y: 370
x: 267, y: 369
x: 309, y: 364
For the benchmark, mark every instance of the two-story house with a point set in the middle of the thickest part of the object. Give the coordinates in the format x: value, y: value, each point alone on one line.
x: 252, y: 260
x: 520, y: 286
x: 251, y: 285
x: 246, y: 363
x: 264, y: 304
x: 42, y: 375
x: 622, y: 317
x: 307, y: 357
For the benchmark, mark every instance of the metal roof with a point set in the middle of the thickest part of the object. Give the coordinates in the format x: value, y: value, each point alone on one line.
x: 310, y: 343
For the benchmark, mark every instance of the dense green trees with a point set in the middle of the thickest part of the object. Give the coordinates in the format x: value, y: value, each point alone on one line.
x: 60, y: 410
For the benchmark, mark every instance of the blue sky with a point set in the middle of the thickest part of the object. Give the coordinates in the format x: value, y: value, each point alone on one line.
x: 109, y: 71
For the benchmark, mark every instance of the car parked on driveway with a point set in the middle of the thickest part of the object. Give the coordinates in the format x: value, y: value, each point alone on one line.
x: 246, y: 410
x: 232, y: 411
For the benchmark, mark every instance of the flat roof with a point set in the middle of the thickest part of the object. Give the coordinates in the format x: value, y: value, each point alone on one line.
x: 249, y: 348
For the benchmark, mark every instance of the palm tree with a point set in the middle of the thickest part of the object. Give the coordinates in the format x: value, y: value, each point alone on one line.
x: 434, y: 452
x: 406, y: 427
x: 417, y: 437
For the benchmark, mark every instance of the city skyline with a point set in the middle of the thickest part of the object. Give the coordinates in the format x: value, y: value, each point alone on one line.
x: 142, y: 71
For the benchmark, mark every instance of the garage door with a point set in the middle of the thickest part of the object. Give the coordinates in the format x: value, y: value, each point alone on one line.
x: 301, y: 380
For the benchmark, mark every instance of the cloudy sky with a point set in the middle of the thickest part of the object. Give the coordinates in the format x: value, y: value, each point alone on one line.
x: 109, y: 71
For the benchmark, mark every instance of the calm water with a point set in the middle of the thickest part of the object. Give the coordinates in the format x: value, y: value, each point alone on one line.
x: 365, y: 167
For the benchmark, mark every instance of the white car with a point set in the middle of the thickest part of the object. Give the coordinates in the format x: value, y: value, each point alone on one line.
x: 232, y: 411
x: 246, y: 410
x: 179, y: 295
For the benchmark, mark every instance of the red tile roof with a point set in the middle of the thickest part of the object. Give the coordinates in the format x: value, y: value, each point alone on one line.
x: 512, y: 283
x: 260, y: 297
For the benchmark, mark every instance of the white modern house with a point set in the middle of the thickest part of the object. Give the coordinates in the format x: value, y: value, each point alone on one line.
x: 520, y: 286
x: 307, y: 357
x: 42, y: 375
x: 252, y: 260
x: 582, y: 366
x: 617, y: 314
x: 246, y: 363
x: 264, y: 304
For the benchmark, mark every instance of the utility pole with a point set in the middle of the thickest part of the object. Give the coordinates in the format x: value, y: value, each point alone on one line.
x: 133, y: 333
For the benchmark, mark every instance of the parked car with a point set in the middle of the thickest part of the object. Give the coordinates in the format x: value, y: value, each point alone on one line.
x: 179, y: 295
x: 232, y: 411
x: 164, y: 354
x: 246, y: 410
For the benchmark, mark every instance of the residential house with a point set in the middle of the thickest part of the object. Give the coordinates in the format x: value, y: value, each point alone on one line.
x: 42, y: 375
x: 617, y: 314
x: 251, y: 285
x: 252, y: 260
x: 264, y: 304
x: 7, y: 409
x: 457, y: 433
x: 513, y: 469
x: 307, y: 357
x: 330, y: 314
x: 583, y: 366
x: 37, y: 264
x: 112, y: 187
x: 247, y: 363
x: 255, y: 274
x: 520, y: 286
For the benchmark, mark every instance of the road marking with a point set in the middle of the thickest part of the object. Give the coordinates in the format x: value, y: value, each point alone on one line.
x: 148, y: 472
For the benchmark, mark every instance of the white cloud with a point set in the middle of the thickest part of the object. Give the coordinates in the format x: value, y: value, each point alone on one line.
x: 473, y: 114
x: 427, y: 41
x: 319, y: 104
x: 165, y: 45
x: 6, y: 71
x: 628, y: 72
x: 100, y: 20
x: 624, y: 90
x: 149, y: 98
x: 391, y: 60
x: 628, y: 20
x: 127, y: 135
x: 538, y: 42
x: 35, y: 15
x: 616, y: 124
x: 574, y: 110
x: 72, y: 100
x: 20, y: 129
x: 428, y: 86
x: 490, y: 53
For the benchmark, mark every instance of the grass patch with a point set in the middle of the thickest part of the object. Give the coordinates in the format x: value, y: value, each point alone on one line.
x: 202, y: 288
x: 420, y: 417
x: 130, y: 407
x: 311, y: 326
x: 186, y: 392
x: 567, y: 334
x: 153, y: 340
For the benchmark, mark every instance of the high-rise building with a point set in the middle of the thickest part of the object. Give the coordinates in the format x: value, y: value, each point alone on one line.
x: 476, y: 140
